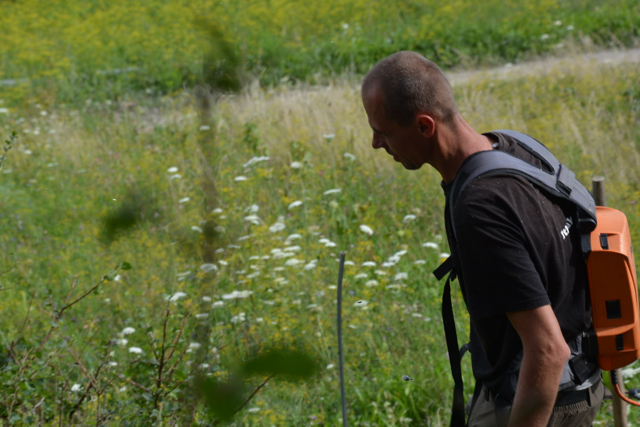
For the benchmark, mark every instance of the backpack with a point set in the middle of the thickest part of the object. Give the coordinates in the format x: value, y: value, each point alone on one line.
x: 614, y: 339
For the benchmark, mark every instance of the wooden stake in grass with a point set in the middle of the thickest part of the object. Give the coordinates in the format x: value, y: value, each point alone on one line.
x: 340, y: 352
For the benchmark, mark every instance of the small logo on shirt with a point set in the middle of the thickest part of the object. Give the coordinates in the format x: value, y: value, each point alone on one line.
x: 567, y: 226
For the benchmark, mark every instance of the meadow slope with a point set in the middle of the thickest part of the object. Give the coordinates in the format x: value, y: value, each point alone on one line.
x: 296, y: 183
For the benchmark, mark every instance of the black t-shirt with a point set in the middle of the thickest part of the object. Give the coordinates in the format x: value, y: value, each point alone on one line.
x: 518, y: 250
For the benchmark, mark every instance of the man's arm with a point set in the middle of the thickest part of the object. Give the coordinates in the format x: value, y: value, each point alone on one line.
x: 545, y: 354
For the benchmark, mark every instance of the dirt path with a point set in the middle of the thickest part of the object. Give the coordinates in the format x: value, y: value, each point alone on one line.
x: 542, y: 66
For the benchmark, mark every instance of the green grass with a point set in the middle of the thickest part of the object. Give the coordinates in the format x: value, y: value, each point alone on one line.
x: 71, y: 51
x: 71, y: 170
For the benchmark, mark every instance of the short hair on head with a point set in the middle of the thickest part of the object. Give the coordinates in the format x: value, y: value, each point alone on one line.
x: 410, y: 84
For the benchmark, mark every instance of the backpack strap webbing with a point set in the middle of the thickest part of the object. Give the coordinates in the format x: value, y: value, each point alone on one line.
x: 457, y: 409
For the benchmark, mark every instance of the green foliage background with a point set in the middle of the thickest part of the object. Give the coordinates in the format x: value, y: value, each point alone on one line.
x: 70, y: 49
x: 107, y: 168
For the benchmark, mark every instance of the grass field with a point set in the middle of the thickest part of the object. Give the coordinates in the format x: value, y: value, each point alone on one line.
x: 65, y: 51
x: 282, y: 222
x: 152, y: 233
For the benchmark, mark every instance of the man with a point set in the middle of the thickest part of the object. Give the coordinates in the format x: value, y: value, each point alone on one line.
x: 524, y: 281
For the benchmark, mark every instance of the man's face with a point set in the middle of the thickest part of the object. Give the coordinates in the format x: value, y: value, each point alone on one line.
x: 405, y: 144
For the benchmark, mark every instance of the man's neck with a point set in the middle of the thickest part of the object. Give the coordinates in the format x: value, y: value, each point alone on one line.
x: 454, y: 145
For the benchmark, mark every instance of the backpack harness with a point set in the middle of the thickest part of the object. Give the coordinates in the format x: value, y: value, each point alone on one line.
x: 614, y: 340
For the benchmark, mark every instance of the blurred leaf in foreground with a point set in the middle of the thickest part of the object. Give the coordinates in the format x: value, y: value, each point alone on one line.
x: 223, y: 399
x: 291, y: 365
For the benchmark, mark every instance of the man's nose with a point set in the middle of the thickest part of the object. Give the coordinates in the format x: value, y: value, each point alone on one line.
x: 377, y: 142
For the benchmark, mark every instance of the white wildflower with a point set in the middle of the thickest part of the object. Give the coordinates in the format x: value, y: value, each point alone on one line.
x: 217, y: 304
x: 444, y: 255
x: 330, y: 245
x: 294, y: 236
x: 202, y: 315
x: 293, y: 249
x: 278, y: 226
x: 368, y: 264
x: 329, y: 136
x: 237, y: 295
x: 208, y: 267
x: 366, y: 229
x: 387, y: 264
x: 4, y: 111
x: 122, y: 342
x: 240, y: 178
x: 206, y: 299
x: 416, y: 314
x: 253, y: 410
x: 223, y: 262
x: 349, y: 156
x: 361, y: 303
x: 176, y: 296
x: 253, y: 219
x: 380, y: 273
x: 401, y: 276
x: 184, y: 200
x: 194, y: 345
x: 419, y: 262
x: 409, y: 218
x: 204, y: 127
x: 239, y: 318
x: 431, y: 245
x: 371, y: 283
x: 557, y: 23
x: 292, y: 262
x: 136, y: 350
x: 252, y: 209
x: 172, y: 169
x: 361, y: 276
x: 330, y: 366
x: 175, y: 176
x: 216, y: 211
x: 112, y: 363
x: 254, y: 160
x: 333, y: 191
x: 294, y: 204
x: 196, y: 228
x: 310, y: 266
x: 118, y: 278
x: 76, y: 387
x: 183, y: 275
x: 544, y: 36
x: 570, y: 28
x: 128, y: 330
x: 296, y: 165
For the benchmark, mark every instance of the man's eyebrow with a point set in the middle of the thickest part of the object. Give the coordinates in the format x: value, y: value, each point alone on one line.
x: 376, y: 130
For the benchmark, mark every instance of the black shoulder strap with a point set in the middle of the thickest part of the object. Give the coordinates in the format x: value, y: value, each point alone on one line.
x: 457, y: 409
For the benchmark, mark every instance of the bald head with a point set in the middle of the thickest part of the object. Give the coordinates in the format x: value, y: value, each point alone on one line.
x: 410, y: 84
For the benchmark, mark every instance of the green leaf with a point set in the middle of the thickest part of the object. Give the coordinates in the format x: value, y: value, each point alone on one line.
x: 292, y: 365
x: 125, y: 265
x: 223, y: 399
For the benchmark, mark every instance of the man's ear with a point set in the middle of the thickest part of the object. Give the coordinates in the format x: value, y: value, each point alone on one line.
x: 426, y: 125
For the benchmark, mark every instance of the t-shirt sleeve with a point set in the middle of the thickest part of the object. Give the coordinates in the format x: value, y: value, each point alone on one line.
x: 498, y: 273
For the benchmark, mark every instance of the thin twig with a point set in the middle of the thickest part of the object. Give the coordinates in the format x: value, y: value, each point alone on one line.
x: 140, y: 386
x: 162, y: 361
x: 232, y: 339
